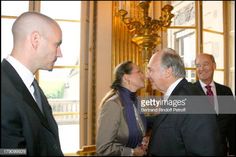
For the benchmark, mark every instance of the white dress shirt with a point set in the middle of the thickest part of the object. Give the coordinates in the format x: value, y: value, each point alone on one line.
x: 171, y: 88
x: 24, y: 73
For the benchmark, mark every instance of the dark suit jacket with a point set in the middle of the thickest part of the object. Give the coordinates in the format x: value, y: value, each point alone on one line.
x: 226, y: 122
x: 185, y: 134
x: 22, y: 123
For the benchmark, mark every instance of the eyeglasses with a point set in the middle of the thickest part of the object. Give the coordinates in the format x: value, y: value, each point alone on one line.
x: 202, y: 65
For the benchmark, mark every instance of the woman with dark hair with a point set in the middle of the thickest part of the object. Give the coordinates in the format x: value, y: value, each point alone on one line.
x: 121, y: 128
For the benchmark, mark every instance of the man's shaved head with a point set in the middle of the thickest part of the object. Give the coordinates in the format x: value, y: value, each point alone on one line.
x: 36, y: 41
x: 29, y: 22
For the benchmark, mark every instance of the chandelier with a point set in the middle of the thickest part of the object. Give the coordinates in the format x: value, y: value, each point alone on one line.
x: 144, y: 31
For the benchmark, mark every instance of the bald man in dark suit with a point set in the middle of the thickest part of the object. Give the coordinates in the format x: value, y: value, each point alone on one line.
x: 26, y: 117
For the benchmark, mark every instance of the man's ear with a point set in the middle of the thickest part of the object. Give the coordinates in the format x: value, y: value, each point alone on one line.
x: 125, y: 78
x: 214, y: 66
x: 35, y: 38
x: 168, y: 72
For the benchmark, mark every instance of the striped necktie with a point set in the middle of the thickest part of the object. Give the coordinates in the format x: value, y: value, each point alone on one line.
x: 210, y: 94
x: 37, y: 94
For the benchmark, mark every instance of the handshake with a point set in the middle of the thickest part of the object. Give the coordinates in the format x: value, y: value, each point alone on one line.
x: 141, y: 149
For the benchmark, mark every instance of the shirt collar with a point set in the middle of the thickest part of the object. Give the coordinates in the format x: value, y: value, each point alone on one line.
x: 212, y: 84
x: 171, y: 88
x: 25, y: 74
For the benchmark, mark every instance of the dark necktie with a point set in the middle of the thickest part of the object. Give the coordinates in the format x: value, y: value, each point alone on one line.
x: 37, y: 94
x: 210, y: 94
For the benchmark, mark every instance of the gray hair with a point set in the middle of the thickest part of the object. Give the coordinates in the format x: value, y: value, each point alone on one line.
x: 171, y: 59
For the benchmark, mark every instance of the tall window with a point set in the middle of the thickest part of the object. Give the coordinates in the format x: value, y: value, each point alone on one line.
x: 61, y: 85
x: 213, y: 35
x: 9, y: 12
x: 198, y: 27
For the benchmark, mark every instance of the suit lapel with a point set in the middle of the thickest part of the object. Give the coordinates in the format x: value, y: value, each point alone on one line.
x: 158, y: 121
x: 178, y: 89
x: 218, y: 89
x: 48, y: 113
x: 21, y: 88
x: 200, y: 87
x: 218, y: 92
x: 162, y: 117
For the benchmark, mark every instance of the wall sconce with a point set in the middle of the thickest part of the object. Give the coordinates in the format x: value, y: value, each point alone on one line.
x: 145, y: 31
